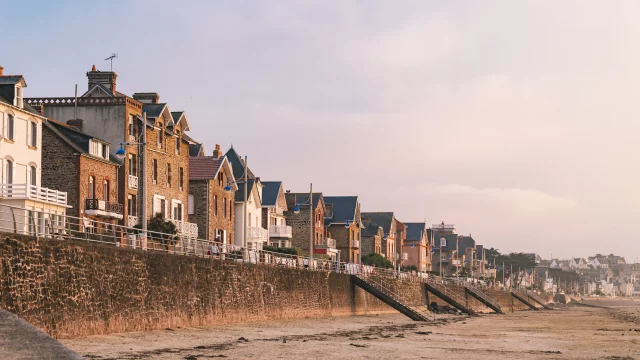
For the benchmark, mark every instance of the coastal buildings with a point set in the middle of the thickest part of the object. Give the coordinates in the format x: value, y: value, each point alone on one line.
x: 372, y: 235
x: 387, y: 221
x: 417, y: 246
x: 306, y: 219
x: 274, y: 204
x: 343, y: 221
x: 38, y: 210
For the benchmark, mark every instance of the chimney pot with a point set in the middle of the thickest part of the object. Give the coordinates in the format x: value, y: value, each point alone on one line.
x: 1, y: 70
x: 93, y: 68
x: 217, y: 153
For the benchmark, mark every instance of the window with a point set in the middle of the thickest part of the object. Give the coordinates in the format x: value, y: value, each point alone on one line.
x: 32, y: 223
x: 105, y: 151
x: 33, y: 176
x: 215, y: 205
x: 220, y: 178
x: 34, y: 135
x: 10, y: 127
x: 99, y: 149
x: 230, y: 210
x: 177, y: 212
x: 105, y: 190
x: 224, y: 208
x: 9, y: 172
x: 163, y: 208
x: 191, y: 205
x: 443, y: 242
x: 132, y: 130
x: 181, y: 178
x: 178, y: 142
x: 155, y: 171
x: 92, y: 188
x: 168, y: 175
x: 132, y: 205
x: 19, y: 103
x: 160, y: 135
x: 133, y: 165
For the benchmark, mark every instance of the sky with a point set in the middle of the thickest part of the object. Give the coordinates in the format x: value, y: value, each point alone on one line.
x: 517, y: 121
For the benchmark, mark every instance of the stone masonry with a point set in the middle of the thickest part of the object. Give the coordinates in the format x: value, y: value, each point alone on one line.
x: 204, y: 209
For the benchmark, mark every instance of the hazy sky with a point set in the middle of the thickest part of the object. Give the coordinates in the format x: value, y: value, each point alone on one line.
x: 516, y: 121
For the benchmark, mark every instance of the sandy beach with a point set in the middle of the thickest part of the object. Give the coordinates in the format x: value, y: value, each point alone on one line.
x: 570, y: 332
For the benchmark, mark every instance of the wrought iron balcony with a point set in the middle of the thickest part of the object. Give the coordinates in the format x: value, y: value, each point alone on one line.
x: 33, y: 192
x: 280, y: 231
x: 102, y: 208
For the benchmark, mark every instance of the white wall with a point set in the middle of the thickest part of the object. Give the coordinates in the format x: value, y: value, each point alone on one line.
x: 18, y: 150
x: 254, y: 211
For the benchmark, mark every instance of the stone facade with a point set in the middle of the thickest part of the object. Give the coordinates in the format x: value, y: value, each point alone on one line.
x: 300, y: 224
x: 204, y: 192
x: 345, y: 239
x: 372, y: 244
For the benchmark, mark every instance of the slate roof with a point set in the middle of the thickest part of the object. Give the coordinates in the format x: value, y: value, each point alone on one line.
x: 270, y: 192
x: 176, y: 115
x: 370, y: 228
x: 344, y: 208
x: 415, y: 231
x: 301, y: 198
x: 383, y: 219
x: 238, y: 165
x: 76, y: 139
x: 153, y: 110
x: 451, y: 240
x: 466, y: 243
x: 204, y: 167
x: 240, y: 192
x: 12, y: 80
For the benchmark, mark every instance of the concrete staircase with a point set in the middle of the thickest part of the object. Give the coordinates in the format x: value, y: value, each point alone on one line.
x: 524, y: 298
x: 483, y: 298
x: 452, y: 297
x: 538, y: 300
x: 377, y: 287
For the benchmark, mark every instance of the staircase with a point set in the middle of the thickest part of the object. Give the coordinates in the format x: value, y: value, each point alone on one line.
x: 483, y: 298
x: 523, y: 298
x: 451, y: 297
x: 537, y: 299
x: 376, y: 286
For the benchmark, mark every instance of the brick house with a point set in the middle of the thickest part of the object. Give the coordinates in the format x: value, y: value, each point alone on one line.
x: 401, y: 236
x: 82, y: 166
x: 372, y: 235
x: 387, y: 221
x: 343, y: 222
x: 210, y: 206
x: 446, y: 258
x: 417, y: 246
x: 104, y: 112
x: 274, y: 204
x: 302, y: 228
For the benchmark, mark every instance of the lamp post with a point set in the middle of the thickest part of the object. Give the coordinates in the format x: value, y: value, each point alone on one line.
x: 121, y: 153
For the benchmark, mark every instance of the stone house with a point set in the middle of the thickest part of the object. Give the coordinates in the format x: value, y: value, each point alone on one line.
x: 343, y: 221
x: 274, y: 204
x: 104, y: 112
x: 372, y: 235
x: 210, y: 206
x: 387, y: 221
x: 401, y: 236
x: 40, y: 208
x: 301, y: 222
x: 257, y: 236
x: 82, y: 166
x: 445, y: 259
x: 417, y: 246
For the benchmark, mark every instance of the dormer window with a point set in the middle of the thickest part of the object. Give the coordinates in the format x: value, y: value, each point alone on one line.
x: 18, y: 101
x: 160, y: 135
x: 99, y: 149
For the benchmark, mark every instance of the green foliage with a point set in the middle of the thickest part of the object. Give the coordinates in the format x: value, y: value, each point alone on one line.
x: 279, y: 250
x: 409, y: 268
x: 377, y: 260
x: 599, y: 292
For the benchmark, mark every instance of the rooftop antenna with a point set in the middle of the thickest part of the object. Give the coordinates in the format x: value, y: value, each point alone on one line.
x: 113, y: 56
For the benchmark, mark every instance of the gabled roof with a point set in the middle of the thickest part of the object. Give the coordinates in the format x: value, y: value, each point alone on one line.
x: 294, y: 199
x: 76, y: 139
x: 370, y: 228
x: 12, y: 80
x: 155, y: 111
x: 270, y: 192
x: 451, y: 242
x: 250, y: 188
x: 383, y: 219
x: 415, y: 231
x: 344, y: 209
x: 104, y: 89
x: 238, y: 165
x: 465, y: 243
x: 179, y: 116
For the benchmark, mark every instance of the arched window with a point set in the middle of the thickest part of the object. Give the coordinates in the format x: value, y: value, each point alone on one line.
x: 9, y: 172
x: 10, y: 127
x: 33, y: 176
x: 178, y: 142
x: 160, y: 135
x: 92, y: 187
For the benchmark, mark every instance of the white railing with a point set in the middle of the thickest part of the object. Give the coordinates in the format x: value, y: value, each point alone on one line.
x: 280, y: 231
x: 355, y: 243
x: 185, y: 228
x: 257, y: 233
x: 331, y: 243
x: 132, y: 221
x: 27, y: 191
x: 133, y: 182
x: 405, y: 256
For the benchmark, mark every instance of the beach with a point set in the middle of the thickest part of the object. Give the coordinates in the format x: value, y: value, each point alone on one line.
x: 567, y: 332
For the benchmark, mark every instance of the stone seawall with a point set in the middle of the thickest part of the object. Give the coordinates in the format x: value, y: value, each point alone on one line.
x: 72, y: 289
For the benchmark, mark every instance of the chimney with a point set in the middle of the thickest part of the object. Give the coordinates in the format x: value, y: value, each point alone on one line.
x: 75, y: 123
x: 147, y: 98
x: 217, y: 153
x: 104, y: 78
x: 1, y: 70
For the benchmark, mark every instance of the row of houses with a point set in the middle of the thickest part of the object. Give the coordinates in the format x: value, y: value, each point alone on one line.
x: 104, y: 156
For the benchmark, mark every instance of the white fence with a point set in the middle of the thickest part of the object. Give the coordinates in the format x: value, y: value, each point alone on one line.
x: 27, y: 191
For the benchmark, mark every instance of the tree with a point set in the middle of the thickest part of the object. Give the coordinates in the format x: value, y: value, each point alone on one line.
x: 168, y: 230
x: 377, y: 260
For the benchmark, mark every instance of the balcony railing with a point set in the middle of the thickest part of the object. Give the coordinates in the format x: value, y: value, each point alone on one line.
x: 102, y: 208
x: 281, y: 231
x: 185, y: 228
x: 33, y: 192
x: 405, y: 256
x: 331, y: 243
x: 257, y: 233
x: 132, y: 221
x: 133, y: 182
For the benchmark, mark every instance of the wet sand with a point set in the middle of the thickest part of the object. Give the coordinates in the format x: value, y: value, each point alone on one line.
x: 571, y: 332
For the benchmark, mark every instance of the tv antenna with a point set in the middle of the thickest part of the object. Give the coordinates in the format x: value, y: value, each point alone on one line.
x: 113, y: 56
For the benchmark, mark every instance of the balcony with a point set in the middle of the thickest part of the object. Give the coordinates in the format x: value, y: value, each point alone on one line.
x: 255, y: 233
x: 355, y: 244
x: 132, y: 221
x: 185, y: 228
x: 329, y: 244
x: 133, y: 182
x: 103, y: 208
x: 405, y: 256
x: 33, y: 192
x: 280, y: 231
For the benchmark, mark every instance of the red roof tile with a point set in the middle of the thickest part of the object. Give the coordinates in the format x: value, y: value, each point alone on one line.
x: 204, y: 167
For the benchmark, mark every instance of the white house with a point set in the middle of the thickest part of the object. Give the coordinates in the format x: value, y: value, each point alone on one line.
x: 274, y: 205
x: 21, y: 154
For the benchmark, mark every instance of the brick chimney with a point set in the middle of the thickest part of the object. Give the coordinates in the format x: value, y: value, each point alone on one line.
x: 147, y: 97
x: 1, y: 70
x: 104, y: 78
x: 217, y: 153
x: 76, y: 123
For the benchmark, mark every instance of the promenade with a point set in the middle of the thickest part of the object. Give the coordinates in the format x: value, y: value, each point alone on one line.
x: 570, y: 332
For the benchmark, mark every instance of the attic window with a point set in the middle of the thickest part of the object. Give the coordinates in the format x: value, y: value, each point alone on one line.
x: 19, y: 103
x: 443, y: 242
x: 99, y: 149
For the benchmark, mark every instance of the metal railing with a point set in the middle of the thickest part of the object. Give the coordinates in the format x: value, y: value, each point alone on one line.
x: 33, y: 192
x: 280, y: 231
x: 133, y: 182
x: 255, y: 232
x: 331, y: 243
x: 441, y: 285
x: 101, y: 205
x: 132, y: 221
x: 482, y: 295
